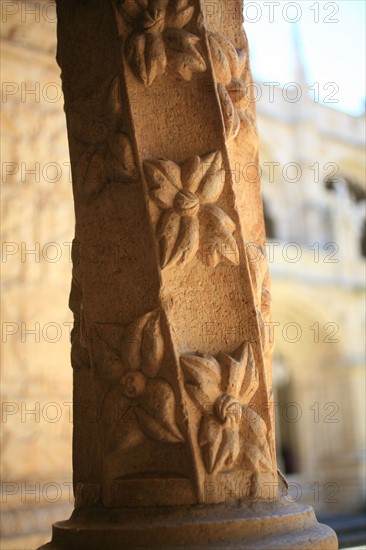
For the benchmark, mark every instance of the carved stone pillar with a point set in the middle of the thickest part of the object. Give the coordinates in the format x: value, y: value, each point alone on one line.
x: 171, y: 347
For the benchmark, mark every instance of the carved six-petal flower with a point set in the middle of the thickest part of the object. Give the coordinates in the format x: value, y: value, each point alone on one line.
x: 140, y: 404
x: 222, y: 388
x: 159, y: 39
x: 190, y: 220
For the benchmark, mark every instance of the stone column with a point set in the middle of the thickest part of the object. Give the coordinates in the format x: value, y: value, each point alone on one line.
x: 171, y: 346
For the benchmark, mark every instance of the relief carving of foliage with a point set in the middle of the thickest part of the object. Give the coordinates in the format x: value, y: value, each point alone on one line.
x: 228, y: 62
x: 140, y: 404
x: 157, y: 412
x: 108, y: 155
x: 229, y: 113
x: 186, y: 195
x: 159, y: 40
x: 259, y: 272
x: 221, y: 389
x: 92, y: 118
x: 112, y: 161
x: 143, y: 344
x: 231, y: 72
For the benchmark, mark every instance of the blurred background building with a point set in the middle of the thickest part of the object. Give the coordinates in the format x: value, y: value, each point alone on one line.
x: 312, y: 163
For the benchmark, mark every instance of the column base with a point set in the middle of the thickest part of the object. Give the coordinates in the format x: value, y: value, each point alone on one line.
x: 275, y: 525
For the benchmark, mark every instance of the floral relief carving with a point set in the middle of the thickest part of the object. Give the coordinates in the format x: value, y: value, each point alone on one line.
x: 230, y: 66
x: 111, y: 161
x: 108, y: 155
x: 259, y: 273
x: 187, y: 194
x: 141, y: 404
x: 221, y: 389
x: 159, y: 40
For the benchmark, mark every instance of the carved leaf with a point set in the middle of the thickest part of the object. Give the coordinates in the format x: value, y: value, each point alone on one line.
x: 220, y: 60
x: 266, y: 302
x: 152, y: 348
x: 227, y: 61
x: 121, y: 427
x: 135, y: 55
x: 213, y: 181
x: 246, y: 116
x: 163, y: 177
x: 132, y: 350
x: 217, y: 228
x: 191, y: 173
x: 209, y: 439
x: 251, y: 379
x: 257, y: 450
x: 184, y: 56
x: 120, y: 160
x: 229, y: 113
x: 115, y: 407
x: 155, y: 57
x: 90, y: 174
x: 202, y: 376
x: 229, y: 449
x: 266, y: 336
x: 182, y: 16
x: 113, y: 95
x: 257, y: 264
x: 106, y: 360
x: 196, y: 169
x: 237, y: 71
x: 219, y: 444
x: 234, y: 369
x: 157, y: 412
x: 167, y: 234
x: 187, y: 242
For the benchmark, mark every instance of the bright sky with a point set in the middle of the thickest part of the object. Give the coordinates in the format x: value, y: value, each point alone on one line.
x: 332, y: 40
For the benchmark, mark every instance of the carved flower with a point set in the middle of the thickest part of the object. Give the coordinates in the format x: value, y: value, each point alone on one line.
x: 222, y: 389
x: 159, y: 40
x: 141, y: 404
x: 229, y: 64
x: 187, y: 194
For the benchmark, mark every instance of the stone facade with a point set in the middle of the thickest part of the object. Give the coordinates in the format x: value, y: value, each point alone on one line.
x: 313, y: 184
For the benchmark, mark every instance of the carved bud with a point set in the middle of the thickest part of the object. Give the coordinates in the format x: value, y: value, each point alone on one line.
x: 186, y: 203
x: 227, y: 409
x: 153, y: 20
x: 133, y: 384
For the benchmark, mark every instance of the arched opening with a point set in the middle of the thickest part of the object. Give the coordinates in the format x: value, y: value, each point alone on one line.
x: 363, y: 239
x: 287, y: 440
x: 355, y: 190
x: 269, y: 223
x: 287, y: 449
x: 350, y: 188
